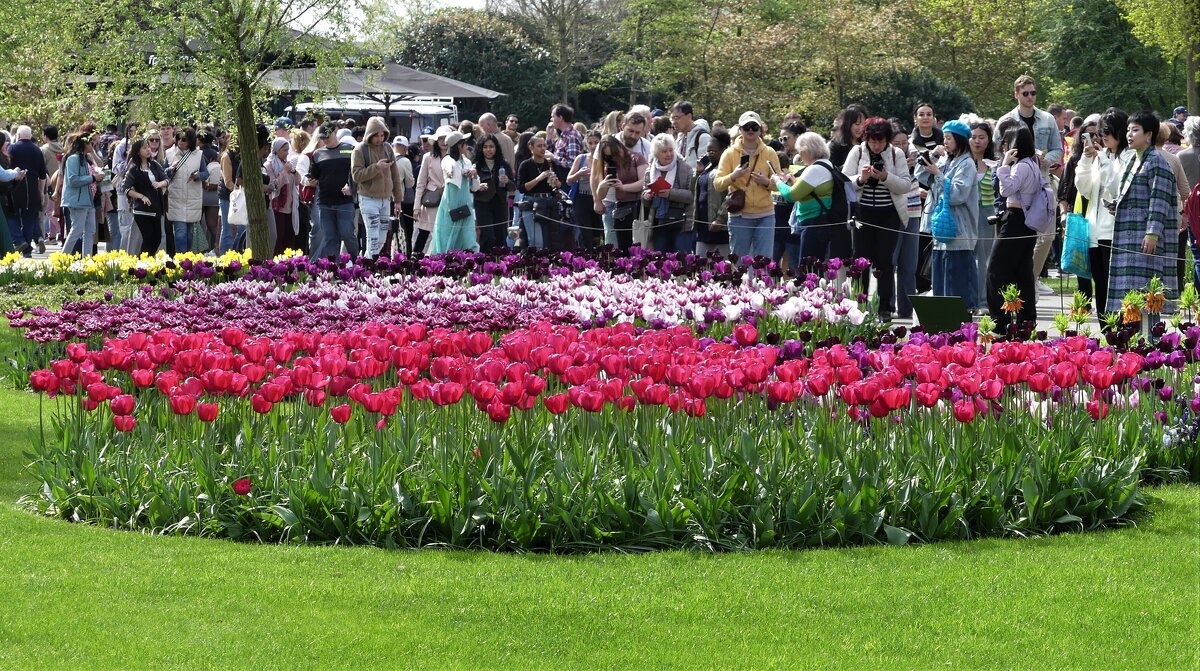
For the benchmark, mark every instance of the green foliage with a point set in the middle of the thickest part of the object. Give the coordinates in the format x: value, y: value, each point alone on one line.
x: 739, y: 477
x: 487, y: 51
x: 1091, y: 47
x: 897, y: 92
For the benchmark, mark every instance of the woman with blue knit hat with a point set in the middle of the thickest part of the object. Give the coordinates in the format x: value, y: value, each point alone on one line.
x: 952, y: 213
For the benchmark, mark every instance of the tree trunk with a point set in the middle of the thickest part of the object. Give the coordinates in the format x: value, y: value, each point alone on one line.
x: 256, y: 202
x: 1193, y: 77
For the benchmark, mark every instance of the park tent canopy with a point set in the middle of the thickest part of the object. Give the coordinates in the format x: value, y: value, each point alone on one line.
x: 392, y: 83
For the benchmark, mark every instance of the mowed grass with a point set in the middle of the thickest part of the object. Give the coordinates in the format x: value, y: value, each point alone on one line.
x: 74, y: 596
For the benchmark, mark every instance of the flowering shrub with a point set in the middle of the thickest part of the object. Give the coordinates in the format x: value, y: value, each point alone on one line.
x: 556, y: 438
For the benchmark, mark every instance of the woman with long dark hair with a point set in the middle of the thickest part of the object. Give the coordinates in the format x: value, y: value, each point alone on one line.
x: 983, y: 152
x: 589, y: 226
x: 622, y: 172
x: 491, y: 199
x: 1019, y: 177
x: 1098, y: 179
x: 145, y: 183
x: 847, y: 133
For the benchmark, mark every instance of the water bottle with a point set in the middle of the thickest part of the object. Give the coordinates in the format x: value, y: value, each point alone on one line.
x: 503, y: 179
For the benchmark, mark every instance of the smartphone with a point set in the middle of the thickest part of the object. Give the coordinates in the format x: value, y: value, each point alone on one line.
x: 1087, y: 137
x: 745, y: 160
x: 877, y: 166
x: 925, y: 158
x: 611, y: 171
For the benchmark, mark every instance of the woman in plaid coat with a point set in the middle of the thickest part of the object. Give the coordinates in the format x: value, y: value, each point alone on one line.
x: 1144, y: 234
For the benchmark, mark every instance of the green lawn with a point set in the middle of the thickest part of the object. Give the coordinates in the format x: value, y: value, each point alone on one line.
x: 87, y: 598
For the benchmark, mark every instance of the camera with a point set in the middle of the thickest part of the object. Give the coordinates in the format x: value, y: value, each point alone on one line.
x: 997, y: 219
x: 925, y: 158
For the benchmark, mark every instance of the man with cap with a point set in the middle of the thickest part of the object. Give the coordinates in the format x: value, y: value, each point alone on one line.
x: 1179, y: 116
x: 747, y: 166
x: 283, y: 128
x: 330, y: 174
x: 404, y: 163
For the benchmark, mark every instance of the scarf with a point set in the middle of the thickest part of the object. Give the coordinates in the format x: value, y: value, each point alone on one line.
x: 667, y: 172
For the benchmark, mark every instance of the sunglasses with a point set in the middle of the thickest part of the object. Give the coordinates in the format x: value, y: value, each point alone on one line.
x: 1028, y: 94
x: 154, y: 139
x: 752, y: 127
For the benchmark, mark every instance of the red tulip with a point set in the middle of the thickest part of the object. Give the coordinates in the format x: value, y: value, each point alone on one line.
x: 818, y: 383
x: 1098, y: 409
x: 557, y: 404
x: 498, y: 412
x: 43, y: 380
x: 964, y: 410
x: 340, y: 413
x: 260, y: 405
x: 928, y: 394
x: 782, y: 392
x: 626, y: 403
x: 241, y: 486
x: 182, y: 404
x: 207, y: 412
x: 991, y: 389
x: 745, y: 335
x: 447, y: 393
x: 1065, y: 375
x: 1039, y: 382
x: 124, y: 422
x: 122, y: 405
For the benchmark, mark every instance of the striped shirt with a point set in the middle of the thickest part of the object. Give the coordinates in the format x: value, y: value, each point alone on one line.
x: 987, y: 193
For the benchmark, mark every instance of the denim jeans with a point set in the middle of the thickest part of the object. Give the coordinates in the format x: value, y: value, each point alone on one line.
x: 24, y: 226
x: 316, y: 232
x: 533, y: 229
x: 752, y: 237
x: 906, y: 267
x: 131, y: 237
x: 954, y: 274
x: 183, y: 236
x: 232, y: 237
x: 376, y: 215
x: 337, y: 221
x: 670, y: 241
x: 83, y: 227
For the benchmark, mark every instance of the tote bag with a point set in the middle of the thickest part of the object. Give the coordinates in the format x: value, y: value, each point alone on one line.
x: 238, y: 215
x: 1075, y: 259
x: 943, y: 224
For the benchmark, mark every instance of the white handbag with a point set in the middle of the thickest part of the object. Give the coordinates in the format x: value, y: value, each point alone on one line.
x: 238, y: 215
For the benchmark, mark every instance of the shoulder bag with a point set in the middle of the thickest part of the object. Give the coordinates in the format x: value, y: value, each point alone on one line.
x: 736, y: 200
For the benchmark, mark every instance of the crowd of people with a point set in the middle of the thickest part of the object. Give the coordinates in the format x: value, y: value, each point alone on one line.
x: 960, y: 207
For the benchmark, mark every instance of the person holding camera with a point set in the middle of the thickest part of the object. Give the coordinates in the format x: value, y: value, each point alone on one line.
x: 589, y: 226
x: 880, y: 172
x: 745, y: 174
x: 1098, y: 180
x: 381, y: 184
x: 537, y: 181
x: 622, y: 178
x: 954, y: 191
x: 1018, y: 178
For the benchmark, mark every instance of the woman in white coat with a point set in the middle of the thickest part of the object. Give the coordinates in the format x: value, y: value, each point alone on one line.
x: 430, y: 183
x: 186, y: 171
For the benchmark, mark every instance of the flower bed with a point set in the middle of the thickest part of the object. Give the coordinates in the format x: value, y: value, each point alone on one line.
x: 583, y: 298
x: 292, y: 267
x: 556, y: 438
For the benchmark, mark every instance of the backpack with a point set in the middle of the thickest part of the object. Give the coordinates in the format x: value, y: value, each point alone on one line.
x: 1040, y: 213
x: 844, y: 198
x: 1191, y: 210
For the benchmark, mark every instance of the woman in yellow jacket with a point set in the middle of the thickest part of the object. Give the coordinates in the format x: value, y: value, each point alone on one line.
x: 747, y: 166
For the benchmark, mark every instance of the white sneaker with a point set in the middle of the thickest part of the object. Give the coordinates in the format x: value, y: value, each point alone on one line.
x: 1045, y: 290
